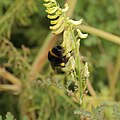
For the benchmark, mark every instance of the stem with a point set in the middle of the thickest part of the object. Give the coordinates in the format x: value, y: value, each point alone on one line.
x: 42, y: 56
x: 90, y: 88
x: 100, y: 33
x: 11, y: 78
x: 115, y: 70
x: 77, y: 65
x: 14, y: 88
x: 61, y: 93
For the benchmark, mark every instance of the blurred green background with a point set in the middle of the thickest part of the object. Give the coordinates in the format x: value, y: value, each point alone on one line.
x: 24, y: 24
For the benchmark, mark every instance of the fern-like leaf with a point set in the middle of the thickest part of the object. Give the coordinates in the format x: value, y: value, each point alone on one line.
x: 116, y: 112
x: 9, y: 116
x: 97, y: 113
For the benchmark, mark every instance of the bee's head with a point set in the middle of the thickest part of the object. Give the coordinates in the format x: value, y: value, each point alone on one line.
x: 58, y: 50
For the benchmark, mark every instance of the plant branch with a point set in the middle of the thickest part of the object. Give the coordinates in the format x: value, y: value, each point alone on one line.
x: 61, y: 93
x: 115, y: 73
x: 9, y: 88
x: 72, y: 4
x: 116, y: 69
x: 42, y: 55
x: 90, y: 88
x: 100, y: 33
x: 8, y: 76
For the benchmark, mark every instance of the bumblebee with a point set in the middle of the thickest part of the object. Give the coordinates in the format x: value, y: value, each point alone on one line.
x: 57, y: 58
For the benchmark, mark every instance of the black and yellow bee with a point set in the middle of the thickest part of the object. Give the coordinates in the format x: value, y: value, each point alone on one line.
x: 57, y: 58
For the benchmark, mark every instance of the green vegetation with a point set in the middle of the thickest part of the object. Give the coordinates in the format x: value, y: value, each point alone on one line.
x: 31, y: 89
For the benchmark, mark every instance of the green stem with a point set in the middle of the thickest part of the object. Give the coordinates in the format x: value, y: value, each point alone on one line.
x: 61, y: 93
x: 77, y: 59
x: 100, y: 33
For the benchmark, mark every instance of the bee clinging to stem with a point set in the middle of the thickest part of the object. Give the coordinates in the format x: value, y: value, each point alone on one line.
x: 57, y: 58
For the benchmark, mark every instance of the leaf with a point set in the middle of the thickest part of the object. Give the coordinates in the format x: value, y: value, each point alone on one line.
x: 116, y: 112
x: 0, y: 117
x: 9, y: 116
x: 98, y: 113
x: 82, y: 113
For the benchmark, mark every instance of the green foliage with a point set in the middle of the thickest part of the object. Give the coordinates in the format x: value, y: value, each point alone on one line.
x: 101, y: 53
x: 9, y: 116
x: 116, y: 112
x: 98, y: 113
x: 13, y: 59
x: 19, y: 11
x: 95, y: 114
x: 23, y: 29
